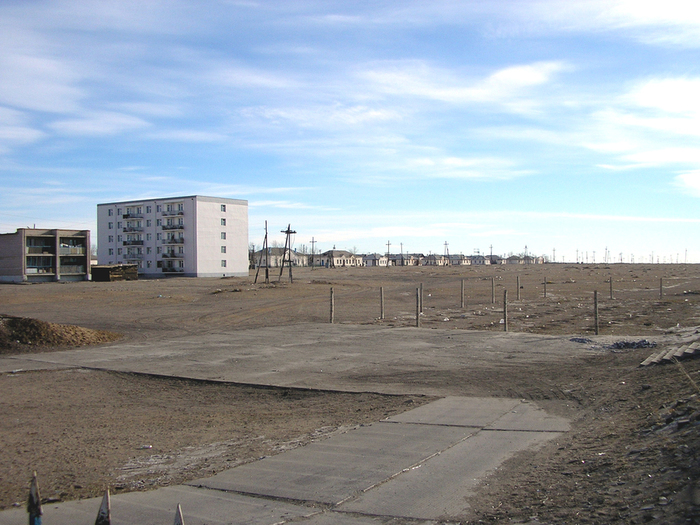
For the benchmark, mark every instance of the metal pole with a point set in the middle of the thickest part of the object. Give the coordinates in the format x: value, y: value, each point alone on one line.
x: 518, y: 285
x: 505, y: 310
x: 332, y: 306
x: 461, y: 301
x: 421, y: 298
x: 493, y: 291
x: 545, y: 287
x: 661, y: 287
x: 418, y: 301
x: 611, y: 288
x: 381, y: 302
x: 595, y: 308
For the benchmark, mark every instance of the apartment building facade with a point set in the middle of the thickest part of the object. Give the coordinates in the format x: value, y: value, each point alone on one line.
x: 41, y: 255
x: 192, y: 236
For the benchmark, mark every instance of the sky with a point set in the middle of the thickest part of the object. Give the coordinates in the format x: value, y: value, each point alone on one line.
x: 557, y: 128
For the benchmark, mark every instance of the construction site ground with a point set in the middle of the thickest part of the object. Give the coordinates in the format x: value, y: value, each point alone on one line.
x: 630, y: 456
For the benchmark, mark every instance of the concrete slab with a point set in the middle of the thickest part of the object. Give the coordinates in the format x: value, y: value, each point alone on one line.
x: 441, y: 486
x: 334, y: 469
x: 20, y: 364
x: 459, y: 411
x: 527, y: 416
x: 332, y: 517
x: 199, y: 507
x: 325, y: 356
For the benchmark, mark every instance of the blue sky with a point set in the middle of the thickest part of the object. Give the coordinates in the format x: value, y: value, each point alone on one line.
x: 566, y: 127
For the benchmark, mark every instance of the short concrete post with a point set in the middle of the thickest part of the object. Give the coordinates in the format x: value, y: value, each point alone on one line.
x: 611, y: 288
x: 595, y: 310
x: 461, y: 293
x: 518, y: 286
x: 505, y: 310
x: 418, y: 301
x: 381, y: 302
x: 493, y: 290
x: 332, y: 306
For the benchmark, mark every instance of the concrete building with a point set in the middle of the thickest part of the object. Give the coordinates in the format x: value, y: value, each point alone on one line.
x: 191, y: 236
x: 37, y: 255
x: 276, y: 256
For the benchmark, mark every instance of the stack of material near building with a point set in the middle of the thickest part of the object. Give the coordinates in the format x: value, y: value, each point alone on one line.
x: 667, y: 355
x: 115, y: 272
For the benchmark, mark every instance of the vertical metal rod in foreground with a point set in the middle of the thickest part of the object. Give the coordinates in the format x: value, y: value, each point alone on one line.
x: 661, y: 287
x: 332, y: 306
x: 104, y: 515
x: 418, y: 301
x: 611, y: 288
x: 461, y: 301
x: 34, y: 503
x: 505, y: 310
x: 518, y: 285
x: 421, y: 297
x: 595, y: 309
x: 493, y: 290
x: 381, y: 302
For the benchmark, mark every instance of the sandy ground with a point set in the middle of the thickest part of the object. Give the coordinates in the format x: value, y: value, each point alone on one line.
x: 631, y: 457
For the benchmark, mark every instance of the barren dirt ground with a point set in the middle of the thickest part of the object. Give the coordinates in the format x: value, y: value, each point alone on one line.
x: 631, y: 457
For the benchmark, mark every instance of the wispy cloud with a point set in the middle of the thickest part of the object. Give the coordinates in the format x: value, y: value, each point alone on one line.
x: 99, y: 123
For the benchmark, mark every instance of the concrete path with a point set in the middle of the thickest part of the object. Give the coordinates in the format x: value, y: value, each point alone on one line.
x: 421, y: 465
x: 322, y: 356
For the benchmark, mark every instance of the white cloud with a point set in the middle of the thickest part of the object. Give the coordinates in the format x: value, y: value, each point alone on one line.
x: 689, y: 182
x: 99, y: 123
x: 187, y: 135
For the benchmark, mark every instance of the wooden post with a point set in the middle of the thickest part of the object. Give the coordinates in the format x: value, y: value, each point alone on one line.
x: 421, y: 297
x: 505, y: 310
x: 332, y: 306
x: 461, y: 301
x: 381, y: 302
x: 545, y: 287
x: 611, y: 288
x: 418, y: 301
x: 34, y: 503
x: 493, y: 290
x: 661, y: 288
x: 595, y: 309
x: 518, y: 285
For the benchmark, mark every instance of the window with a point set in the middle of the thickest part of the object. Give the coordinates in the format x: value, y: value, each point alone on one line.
x: 119, y: 238
x: 159, y: 222
x: 148, y: 264
x: 119, y: 251
x: 110, y: 238
x: 159, y: 207
x: 223, y: 208
x: 110, y: 212
x: 148, y: 236
x: 148, y: 209
x: 159, y: 236
x: 158, y: 249
x: 180, y: 207
x: 110, y: 225
x: 110, y: 251
x: 223, y: 222
x: 223, y: 263
x: 119, y: 211
x: 119, y: 225
x: 223, y: 249
x: 148, y: 223
x: 223, y: 235
x: 148, y: 249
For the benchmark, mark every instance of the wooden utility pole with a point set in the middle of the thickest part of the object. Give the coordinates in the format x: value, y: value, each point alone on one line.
x: 264, y: 250
x: 595, y: 308
x: 505, y: 310
x: 313, y: 242
x: 287, y: 249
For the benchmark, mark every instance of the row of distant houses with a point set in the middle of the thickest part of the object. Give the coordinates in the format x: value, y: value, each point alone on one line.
x: 275, y: 257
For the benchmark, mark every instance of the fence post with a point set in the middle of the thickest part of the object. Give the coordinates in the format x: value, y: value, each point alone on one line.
x: 661, y: 287
x: 545, y: 287
x: 381, y: 302
x: 418, y: 301
x: 461, y: 301
x: 34, y: 503
x: 505, y: 310
x: 332, y: 306
x: 518, y: 286
x: 421, y: 298
x: 493, y: 290
x: 611, y: 288
x: 595, y: 309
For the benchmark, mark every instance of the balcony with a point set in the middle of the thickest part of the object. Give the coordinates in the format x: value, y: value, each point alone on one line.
x: 173, y: 226
x: 40, y: 269
x: 72, y: 250
x: 173, y: 270
x: 133, y: 228
x: 173, y: 255
x: 172, y: 213
x: 174, y: 240
x: 133, y: 256
x: 40, y: 250
x: 132, y: 243
x: 72, y: 269
x: 132, y: 216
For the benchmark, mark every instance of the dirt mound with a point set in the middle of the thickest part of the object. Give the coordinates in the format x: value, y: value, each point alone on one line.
x: 20, y: 334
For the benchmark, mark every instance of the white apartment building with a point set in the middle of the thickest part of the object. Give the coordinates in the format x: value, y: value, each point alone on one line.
x: 192, y: 236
